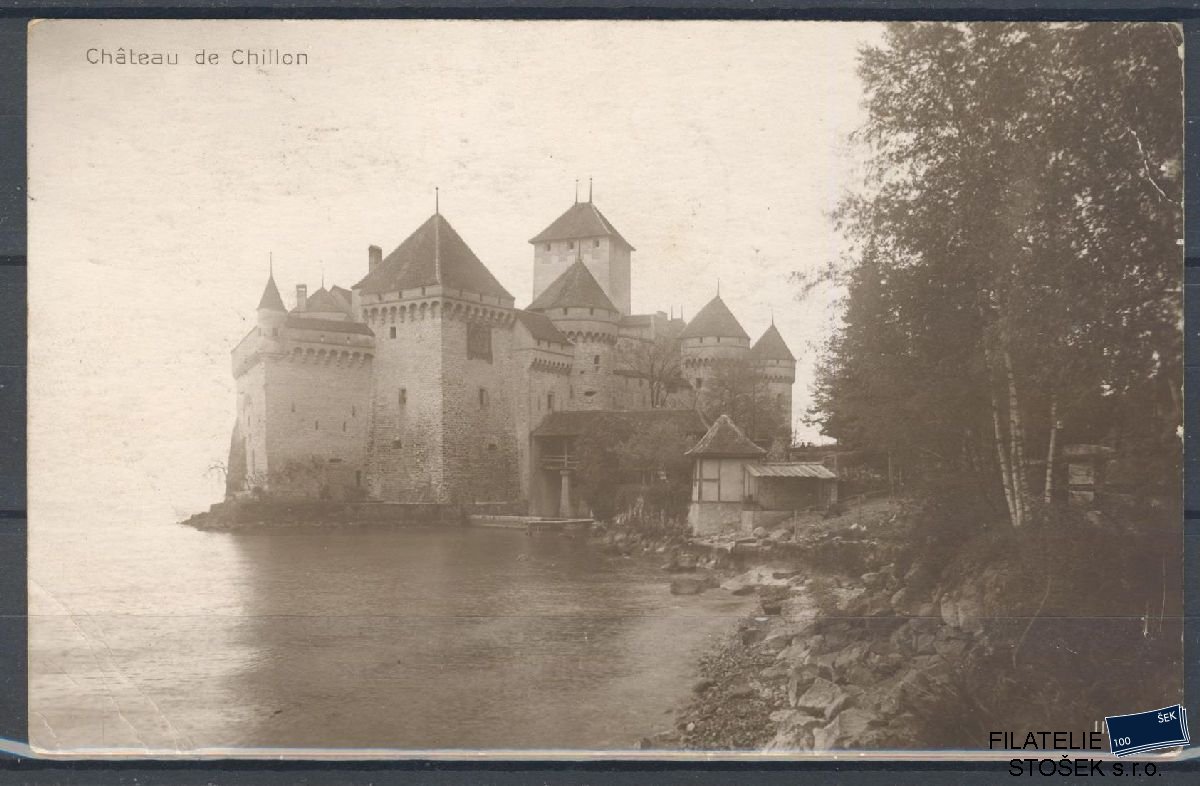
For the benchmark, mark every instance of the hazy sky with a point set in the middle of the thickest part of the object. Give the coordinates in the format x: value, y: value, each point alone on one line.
x: 157, y: 193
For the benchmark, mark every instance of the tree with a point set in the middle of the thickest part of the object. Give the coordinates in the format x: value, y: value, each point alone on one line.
x: 739, y: 388
x: 656, y: 361
x: 1014, y: 275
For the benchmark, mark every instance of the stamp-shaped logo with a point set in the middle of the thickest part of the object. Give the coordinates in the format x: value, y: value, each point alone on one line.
x: 1147, y: 731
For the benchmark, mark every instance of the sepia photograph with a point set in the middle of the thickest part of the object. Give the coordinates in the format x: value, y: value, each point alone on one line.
x: 648, y: 389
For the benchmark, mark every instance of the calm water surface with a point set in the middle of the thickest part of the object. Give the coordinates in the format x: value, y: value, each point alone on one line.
x: 164, y: 637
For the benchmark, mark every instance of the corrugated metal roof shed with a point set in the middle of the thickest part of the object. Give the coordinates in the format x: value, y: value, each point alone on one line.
x: 791, y: 470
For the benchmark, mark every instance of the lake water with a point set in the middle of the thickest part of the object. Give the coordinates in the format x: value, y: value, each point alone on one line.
x: 168, y: 638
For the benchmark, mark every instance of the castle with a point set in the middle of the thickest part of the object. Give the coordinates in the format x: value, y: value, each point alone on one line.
x: 424, y: 381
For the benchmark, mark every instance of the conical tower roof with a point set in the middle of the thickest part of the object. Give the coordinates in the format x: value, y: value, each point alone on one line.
x: 575, y: 288
x: 771, y: 346
x: 724, y: 438
x: 581, y: 220
x: 433, y: 254
x: 715, y: 319
x: 270, y: 299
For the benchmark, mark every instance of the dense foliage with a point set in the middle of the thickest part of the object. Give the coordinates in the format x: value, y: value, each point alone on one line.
x: 1015, y: 279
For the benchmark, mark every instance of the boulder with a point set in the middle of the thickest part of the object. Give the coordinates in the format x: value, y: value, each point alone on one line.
x: 799, y: 681
x: 689, y: 585
x: 949, y: 648
x: 778, y: 640
x: 822, y: 698
x: 794, y: 730
x: 850, y: 729
x: 904, y: 601
x: 681, y: 563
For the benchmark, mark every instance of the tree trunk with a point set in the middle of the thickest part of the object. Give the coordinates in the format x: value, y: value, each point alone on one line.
x: 1017, y: 437
x: 1014, y: 514
x: 1048, y: 497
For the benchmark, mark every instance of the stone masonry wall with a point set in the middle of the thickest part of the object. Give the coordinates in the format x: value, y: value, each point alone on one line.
x: 405, y: 442
x: 479, y: 442
x: 318, y: 414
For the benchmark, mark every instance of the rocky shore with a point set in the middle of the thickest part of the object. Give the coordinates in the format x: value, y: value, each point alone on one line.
x: 868, y: 635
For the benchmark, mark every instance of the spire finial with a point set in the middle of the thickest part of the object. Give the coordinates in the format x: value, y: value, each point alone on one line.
x: 772, y: 316
x: 322, y: 274
x: 270, y: 264
x: 718, y: 286
x: 437, y: 206
x: 577, y: 191
x: 589, y: 191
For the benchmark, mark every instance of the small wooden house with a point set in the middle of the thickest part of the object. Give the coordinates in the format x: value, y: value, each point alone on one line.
x: 719, y: 477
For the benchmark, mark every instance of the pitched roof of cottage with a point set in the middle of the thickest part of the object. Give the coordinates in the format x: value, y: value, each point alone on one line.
x: 582, y: 220
x: 297, y: 322
x: 433, y: 254
x: 724, y: 438
x: 323, y: 300
x: 572, y: 424
x: 575, y: 288
x: 715, y: 319
x: 270, y: 297
x: 771, y: 346
x: 540, y: 327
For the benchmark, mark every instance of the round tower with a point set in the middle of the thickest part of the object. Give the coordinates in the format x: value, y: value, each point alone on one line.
x: 712, y: 338
x: 579, y: 308
x: 776, y: 363
x: 271, y: 311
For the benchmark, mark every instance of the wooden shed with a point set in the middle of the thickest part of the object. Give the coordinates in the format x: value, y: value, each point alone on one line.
x: 719, y: 477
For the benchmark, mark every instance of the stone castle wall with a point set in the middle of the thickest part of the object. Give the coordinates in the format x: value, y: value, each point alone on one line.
x: 318, y: 417
x: 479, y: 430
x: 404, y: 448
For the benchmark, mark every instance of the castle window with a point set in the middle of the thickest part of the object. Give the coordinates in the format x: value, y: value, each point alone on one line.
x: 550, y: 401
x: 596, y: 243
x: 483, y: 397
x: 316, y: 425
x: 571, y: 245
x: 479, y: 342
x: 491, y: 447
x: 353, y: 412
x: 403, y: 396
x: 343, y: 426
x: 397, y: 443
x: 699, y: 383
x: 547, y: 246
x: 358, y: 477
x: 392, y: 332
x: 596, y: 360
x: 592, y: 312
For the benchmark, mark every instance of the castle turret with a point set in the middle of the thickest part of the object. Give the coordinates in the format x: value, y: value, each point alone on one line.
x: 583, y: 233
x: 579, y: 308
x: 712, y: 337
x: 777, y: 364
x: 271, y: 311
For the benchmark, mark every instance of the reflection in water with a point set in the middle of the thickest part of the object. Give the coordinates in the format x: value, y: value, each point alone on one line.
x: 172, y: 638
